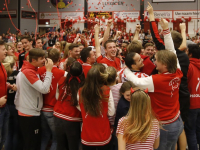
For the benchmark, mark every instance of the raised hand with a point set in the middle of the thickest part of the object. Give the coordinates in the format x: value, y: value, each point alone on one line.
x: 182, y: 26
x: 138, y: 28
x: 164, y: 24
x: 3, y: 100
x: 109, y: 23
x: 49, y: 64
x: 97, y: 27
x: 149, y: 8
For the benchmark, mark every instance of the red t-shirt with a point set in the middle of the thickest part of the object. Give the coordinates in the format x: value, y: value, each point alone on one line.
x: 116, y: 63
x: 86, y: 68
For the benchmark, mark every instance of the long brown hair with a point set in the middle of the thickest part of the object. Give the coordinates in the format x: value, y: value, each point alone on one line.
x: 139, y: 120
x: 92, y: 93
x: 74, y: 80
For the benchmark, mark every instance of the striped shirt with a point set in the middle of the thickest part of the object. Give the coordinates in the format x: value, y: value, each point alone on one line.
x: 116, y: 96
x: 148, y: 144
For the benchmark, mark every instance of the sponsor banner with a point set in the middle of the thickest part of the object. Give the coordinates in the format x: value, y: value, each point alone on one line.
x: 73, y: 15
x: 160, y: 14
x: 51, y: 15
x: 63, y: 15
x: 124, y: 15
x: 186, y: 14
x: 113, y: 3
x: 100, y: 14
x: 4, y: 13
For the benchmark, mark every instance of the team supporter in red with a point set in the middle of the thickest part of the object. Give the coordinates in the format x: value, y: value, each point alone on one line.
x: 134, y: 62
x: 4, y: 117
x: 110, y: 59
x: 110, y: 48
x: 67, y: 116
x: 74, y: 52
x: 136, y: 46
x: 96, y: 104
x: 88, y: 57
x: 192, y: 124
x: 135, y: 131
x: 47, y: 121
x: 164, y: 93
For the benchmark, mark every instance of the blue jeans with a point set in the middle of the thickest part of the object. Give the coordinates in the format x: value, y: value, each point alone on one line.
x: 169, y: 136
x: 13, y: 140
x: 192, y: 129
x: 48, y: 130
x: 4, y: 119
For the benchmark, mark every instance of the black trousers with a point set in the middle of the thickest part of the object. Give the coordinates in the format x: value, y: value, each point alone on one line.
x: 31, y: 132
x: 105, y: 147
x: 68, y: 134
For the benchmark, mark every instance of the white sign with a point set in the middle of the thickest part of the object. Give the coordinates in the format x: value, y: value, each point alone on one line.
x: 73, y: 15
x: 160, y: 14
x: 186, y: 14
x: 51, y: 15
x: 124, y: 15
x: 166, y: 1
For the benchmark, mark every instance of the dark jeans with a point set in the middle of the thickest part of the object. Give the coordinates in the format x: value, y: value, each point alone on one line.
x: 13, y: 140
x: 105, y: 147
x: 4, y: 118
x: 48, y: 130
x: 114, y: 140
x: 68, y: 134
x: 192, y: 129
x: 169, y: 136
x: 31, y: 132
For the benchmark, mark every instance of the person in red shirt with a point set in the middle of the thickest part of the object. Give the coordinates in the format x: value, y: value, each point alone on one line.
x: 192, y: 123
x: 96, y: 104
x: 88, y: 57
x: 110, y: 49
x: 47, y: 120
x: 67, y: 116
x: 164, y: 91
x: 4, y: 117
x: 136, y: 46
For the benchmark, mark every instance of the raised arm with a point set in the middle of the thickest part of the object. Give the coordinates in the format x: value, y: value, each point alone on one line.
x: 154, y: 29
x: 140, y: 82
x: 97, y: 43
x: 137, y: 31
x: 183, y: 45
x: 117, y: 35
x: 169, y: 44
x: 76, y: 39
x: 107, y: 32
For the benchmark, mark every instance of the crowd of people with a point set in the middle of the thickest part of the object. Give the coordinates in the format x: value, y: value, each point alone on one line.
x: 100, y: 90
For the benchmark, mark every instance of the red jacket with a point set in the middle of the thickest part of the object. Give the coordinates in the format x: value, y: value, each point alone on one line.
x: 165, y: 98
x: 63, y: 108
x: 3, y: 79
x: 96, y: 130
x: 50, y: 98
x: 148, y: 65
x: 194, y: 83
